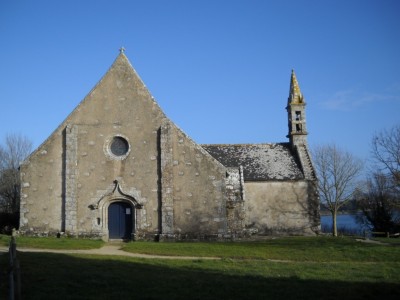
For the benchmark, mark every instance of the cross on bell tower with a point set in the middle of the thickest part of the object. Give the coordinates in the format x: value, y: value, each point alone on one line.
x: 296, y: 113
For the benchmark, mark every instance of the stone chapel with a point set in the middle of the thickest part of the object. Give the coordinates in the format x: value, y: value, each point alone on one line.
x: 118, y: 168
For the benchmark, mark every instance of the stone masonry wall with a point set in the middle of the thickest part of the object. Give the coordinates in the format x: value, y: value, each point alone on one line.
x: 42, y: 188
x: 177, y: 188
x: 280, y: 208
x: 194, y: 186
x: 235, y: 201
x: 70, y: 176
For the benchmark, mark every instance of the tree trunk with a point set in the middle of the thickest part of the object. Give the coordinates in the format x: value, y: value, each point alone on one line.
x: 334, y: 225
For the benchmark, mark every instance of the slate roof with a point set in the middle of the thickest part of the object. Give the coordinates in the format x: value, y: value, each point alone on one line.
x: 259, y: 161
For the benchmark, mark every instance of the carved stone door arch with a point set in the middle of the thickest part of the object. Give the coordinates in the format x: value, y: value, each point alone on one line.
x: 119, y: 205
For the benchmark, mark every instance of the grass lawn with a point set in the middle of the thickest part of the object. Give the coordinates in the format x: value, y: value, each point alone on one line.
x: 316, y: 249
x: 52, y: 242
x: 309, y: 268
x: 393, y: 241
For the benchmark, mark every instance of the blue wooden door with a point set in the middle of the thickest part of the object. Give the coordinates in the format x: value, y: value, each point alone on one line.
x: 120, y: 220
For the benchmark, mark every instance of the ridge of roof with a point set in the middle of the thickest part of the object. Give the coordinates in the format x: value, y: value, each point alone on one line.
x: 120, y: 59
x: 246, y: 144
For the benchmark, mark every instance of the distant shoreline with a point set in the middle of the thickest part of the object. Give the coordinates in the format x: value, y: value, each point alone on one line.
x: 344, y: 212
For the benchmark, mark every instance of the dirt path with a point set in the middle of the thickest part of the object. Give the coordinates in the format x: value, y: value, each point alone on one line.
x: 368, y: 241
x: 109, y: 249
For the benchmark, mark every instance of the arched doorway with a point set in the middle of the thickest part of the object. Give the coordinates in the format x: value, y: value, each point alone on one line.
x: 120, y: 220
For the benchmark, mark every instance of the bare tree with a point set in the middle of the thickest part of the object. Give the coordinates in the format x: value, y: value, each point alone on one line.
x: 377, y: 202
x: 337, y: 172
x: 386, y: 152
x: 15, y: 149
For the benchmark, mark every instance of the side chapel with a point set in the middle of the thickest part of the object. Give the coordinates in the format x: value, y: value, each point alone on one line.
x: 118, y: 168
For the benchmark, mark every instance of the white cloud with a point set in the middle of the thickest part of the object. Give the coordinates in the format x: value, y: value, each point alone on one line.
x: 349, y: 100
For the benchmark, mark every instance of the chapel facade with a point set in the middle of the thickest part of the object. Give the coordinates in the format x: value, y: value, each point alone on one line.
x: 118, y: 168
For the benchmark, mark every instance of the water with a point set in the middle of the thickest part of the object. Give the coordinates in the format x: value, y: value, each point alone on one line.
x: 345, y: 224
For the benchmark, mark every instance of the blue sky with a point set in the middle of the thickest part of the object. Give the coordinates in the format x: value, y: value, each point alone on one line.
x: 219, y: 69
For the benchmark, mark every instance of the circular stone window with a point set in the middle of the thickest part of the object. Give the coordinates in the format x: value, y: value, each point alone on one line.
x: 117, y: 147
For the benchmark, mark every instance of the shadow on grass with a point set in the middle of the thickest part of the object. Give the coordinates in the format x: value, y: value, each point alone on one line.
x: 58, y: 276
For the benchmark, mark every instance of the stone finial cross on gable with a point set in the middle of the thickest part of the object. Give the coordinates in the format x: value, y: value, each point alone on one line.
x: 122, y: 50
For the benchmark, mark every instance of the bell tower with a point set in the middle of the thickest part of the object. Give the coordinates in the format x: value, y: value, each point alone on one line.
x: 296, y: 109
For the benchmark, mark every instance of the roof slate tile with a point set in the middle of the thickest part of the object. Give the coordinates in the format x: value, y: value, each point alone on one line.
x: 259, y: 161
